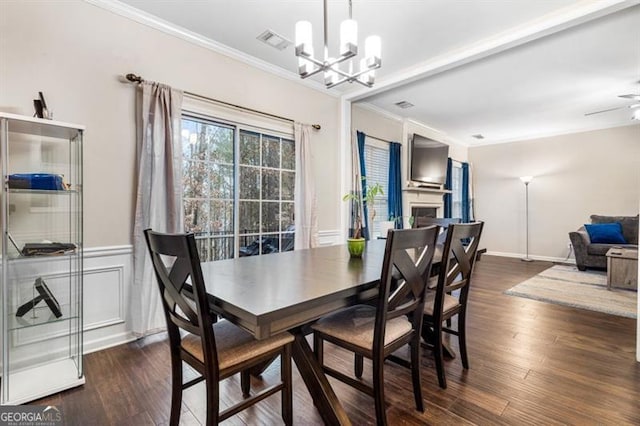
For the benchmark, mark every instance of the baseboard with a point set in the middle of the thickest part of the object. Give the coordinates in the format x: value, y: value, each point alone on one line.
x: 107, y: 342
x: 534, y: 257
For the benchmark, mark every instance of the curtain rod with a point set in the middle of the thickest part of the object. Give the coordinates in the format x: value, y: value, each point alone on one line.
x: 133, y: 78
x: 377, y: 138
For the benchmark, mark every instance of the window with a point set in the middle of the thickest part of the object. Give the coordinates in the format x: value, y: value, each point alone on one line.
x: 376, y: 159
x: 456, y: 189
x: 238, y: 189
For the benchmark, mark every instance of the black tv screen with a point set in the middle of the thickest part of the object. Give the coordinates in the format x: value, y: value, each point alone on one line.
x: 428, y: 160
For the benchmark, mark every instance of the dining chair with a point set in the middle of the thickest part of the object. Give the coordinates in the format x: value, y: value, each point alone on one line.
x: 215, y: 349
x: 451, y: 294
x: 443, y: 222
x: 377, y: 330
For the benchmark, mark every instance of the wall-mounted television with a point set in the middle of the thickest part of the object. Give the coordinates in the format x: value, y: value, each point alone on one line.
x: 428, y: 161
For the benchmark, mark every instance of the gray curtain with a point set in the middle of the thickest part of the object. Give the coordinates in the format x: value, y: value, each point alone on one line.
x: 159, y: 193
x: 306, y: 211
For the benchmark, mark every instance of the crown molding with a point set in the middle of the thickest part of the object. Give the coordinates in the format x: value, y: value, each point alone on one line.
x: 550, y: 135
x: 166, y: 27
x: 568, y: 17
x: 446, y: 138
x: 376, y: 109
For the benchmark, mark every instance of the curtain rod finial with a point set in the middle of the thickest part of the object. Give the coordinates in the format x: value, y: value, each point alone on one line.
x: 316, y: 126
x: 134, y: 78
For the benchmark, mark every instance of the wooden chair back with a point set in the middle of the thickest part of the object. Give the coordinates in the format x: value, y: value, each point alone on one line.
x: 443, y: 222
x: 177, y: 267
x: 405, y: 270
x: 458, y: 259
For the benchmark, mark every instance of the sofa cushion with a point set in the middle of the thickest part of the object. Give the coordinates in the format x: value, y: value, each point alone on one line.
x: 602, y: 249
x: 629, y: 225
x: 605, y: 233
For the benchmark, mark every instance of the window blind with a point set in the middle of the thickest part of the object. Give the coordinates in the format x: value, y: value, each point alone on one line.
x: 377, y: 166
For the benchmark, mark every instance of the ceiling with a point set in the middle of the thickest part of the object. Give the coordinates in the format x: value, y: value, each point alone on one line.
x: 509, y: 70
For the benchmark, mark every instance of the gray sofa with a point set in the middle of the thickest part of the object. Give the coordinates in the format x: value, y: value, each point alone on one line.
x: 590, y: 255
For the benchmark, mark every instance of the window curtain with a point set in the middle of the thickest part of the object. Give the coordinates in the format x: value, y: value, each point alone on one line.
x: 447, y: 185
x: 360, y: 137
x: 472, y: 213
x: 159, y: 193
x: 465, y: 193
x: 395, y: 184
x: 306, y: 211
x: 356, y: 207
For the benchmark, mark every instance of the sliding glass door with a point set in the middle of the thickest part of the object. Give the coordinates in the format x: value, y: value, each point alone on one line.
x: 238, y: 189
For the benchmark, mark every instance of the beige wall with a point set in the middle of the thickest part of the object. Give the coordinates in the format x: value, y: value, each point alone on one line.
x: 575, y: 175
x: 375, y: 123
x: 74, y: 52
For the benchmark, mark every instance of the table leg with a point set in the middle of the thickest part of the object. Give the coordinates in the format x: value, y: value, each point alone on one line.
x: 314, y: 378
x: 447, y: 352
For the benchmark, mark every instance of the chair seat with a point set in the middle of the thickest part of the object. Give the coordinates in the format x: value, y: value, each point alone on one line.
x: 356, y: 325
x: 450, y: 302
x: 234, y: 344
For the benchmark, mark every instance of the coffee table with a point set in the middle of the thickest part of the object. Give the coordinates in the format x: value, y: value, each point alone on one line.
x: 622, y: 268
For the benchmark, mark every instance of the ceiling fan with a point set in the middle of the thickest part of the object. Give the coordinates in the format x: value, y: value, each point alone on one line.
x: 635, y: 97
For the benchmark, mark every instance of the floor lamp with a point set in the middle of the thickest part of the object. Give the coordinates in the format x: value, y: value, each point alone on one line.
x: 526, y: 180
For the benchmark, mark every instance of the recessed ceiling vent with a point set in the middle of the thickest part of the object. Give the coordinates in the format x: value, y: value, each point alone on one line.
x: 274, y: 39
x: 478, y: 136
x: 404, y: 104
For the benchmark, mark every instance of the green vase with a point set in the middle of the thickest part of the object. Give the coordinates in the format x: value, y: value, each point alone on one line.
x: 355, y: 246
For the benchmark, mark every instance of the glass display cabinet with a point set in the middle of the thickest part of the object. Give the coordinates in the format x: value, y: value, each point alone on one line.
x: 42, y: 270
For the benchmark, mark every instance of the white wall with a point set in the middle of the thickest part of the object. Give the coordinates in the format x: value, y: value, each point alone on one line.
x: 575, y: 175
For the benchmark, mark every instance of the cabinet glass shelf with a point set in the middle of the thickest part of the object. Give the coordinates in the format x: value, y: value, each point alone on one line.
x: 42, y: 191
x: 40, y: 315
x: 39, y: 257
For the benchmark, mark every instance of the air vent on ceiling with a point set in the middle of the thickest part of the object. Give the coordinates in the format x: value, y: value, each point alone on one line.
x: 404, y: 104
x: 274, y: 39
x: 477, y: 136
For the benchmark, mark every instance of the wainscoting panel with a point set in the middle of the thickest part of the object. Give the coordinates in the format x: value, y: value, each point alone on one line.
x: 330, y: 237
x: 108, y: 279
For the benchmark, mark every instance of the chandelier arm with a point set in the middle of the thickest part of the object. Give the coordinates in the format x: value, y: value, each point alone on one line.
x: 350, y: 80
x: 309, y: 74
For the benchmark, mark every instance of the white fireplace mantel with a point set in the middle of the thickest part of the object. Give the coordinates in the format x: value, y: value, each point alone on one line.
x: 427, y: 190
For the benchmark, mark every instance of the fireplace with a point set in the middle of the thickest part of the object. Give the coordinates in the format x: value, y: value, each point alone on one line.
x: 418, y: 211
x: 421, y: 212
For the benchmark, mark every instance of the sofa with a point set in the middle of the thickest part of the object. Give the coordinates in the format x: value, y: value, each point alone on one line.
x: 592, y: 255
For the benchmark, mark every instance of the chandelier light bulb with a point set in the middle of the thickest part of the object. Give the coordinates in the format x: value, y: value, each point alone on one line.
x: 305, y: 66
x: 304, y: 37
x: 373, y: 47
x: 348, y: 36
x: 367, y: 77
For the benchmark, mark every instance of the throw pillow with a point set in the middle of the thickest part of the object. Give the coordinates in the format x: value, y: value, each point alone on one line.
x: 605, y: 233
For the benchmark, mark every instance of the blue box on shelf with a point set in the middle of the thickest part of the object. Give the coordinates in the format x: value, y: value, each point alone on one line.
x: 42, y: 181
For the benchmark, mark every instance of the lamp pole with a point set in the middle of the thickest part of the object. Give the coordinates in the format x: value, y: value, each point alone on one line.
x: 526, y: 180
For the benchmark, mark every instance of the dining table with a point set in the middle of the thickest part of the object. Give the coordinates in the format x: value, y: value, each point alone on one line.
x: 273, y: 293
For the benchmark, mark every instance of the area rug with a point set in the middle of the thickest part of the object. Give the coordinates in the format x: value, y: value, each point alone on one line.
x: 565, y: 285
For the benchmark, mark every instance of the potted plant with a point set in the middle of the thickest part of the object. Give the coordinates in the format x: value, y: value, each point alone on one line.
x: 355, y: 242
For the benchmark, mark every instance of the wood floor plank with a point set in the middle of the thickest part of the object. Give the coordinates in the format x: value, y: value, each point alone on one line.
x: 531, y: 363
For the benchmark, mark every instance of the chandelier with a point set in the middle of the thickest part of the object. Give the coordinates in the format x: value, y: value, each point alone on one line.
x: 308, y: 65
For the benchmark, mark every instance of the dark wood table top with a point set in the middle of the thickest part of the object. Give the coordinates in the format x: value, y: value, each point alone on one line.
x: 276, y: 292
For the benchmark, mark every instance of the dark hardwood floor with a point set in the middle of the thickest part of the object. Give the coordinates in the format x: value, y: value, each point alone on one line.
x: 530, y: 363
